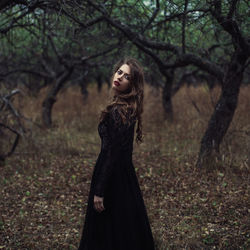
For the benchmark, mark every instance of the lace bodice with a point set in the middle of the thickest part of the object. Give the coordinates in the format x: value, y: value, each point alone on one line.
x: 116, y: 143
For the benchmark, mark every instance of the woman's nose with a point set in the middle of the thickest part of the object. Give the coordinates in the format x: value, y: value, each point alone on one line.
x: 120, y: 77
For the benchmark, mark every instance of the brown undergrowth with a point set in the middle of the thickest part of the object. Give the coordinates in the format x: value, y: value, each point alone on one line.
x: 44, y: 185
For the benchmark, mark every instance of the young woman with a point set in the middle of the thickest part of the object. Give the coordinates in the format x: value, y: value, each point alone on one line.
x: 116, y: 217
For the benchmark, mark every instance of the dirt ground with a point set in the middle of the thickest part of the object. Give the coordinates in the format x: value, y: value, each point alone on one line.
x: 45, y: 184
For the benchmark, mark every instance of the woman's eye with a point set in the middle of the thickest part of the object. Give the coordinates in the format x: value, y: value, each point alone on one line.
x: 119, y: 72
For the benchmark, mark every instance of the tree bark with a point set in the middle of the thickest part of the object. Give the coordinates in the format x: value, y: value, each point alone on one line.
x: 167, y: 97
x: 224, y: 111
x: 99, y: 83
x: 84, y: 90
x: 51, y: 97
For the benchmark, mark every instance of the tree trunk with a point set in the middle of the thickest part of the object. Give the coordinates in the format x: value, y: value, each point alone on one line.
x: 99, y: 83
x: 167, y: 97
x: 224, y: 111
x: 51, y: 97
x: 84, y: 90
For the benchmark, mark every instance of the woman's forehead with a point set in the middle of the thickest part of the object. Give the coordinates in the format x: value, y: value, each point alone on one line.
x: 125, y: 68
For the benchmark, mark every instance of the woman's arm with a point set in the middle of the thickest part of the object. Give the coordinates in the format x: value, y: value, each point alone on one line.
x: 110, y: 151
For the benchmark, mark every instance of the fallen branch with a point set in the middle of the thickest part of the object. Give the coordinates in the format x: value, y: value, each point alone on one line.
x: 2, y: 157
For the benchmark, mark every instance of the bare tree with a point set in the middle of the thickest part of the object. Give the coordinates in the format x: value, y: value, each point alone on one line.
x: 7, y: 107
x: 230, y: 76
x: 61, y: 44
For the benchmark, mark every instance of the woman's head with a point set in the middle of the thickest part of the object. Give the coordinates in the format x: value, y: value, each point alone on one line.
x: 128, y: 85
x: 121, y: 79
x: 128, y: 78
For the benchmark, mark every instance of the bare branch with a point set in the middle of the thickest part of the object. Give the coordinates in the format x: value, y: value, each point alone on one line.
x: 141, y: 42
x: 184, y: 27
x: 83, y: 25
x: 230, y: 25
x: 2, y: 157
x: 232, y: 9
x: 23, y: 71
x: 204, y: 64
x: 180, y: 15
x: 152, y: 17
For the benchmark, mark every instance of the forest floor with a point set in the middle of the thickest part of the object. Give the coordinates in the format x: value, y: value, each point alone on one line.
x: 44, y: 186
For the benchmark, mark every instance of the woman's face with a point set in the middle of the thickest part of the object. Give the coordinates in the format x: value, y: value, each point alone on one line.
x: 121, y: 79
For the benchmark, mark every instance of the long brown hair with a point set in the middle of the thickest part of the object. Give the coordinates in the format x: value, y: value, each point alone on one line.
x: 131, y: 101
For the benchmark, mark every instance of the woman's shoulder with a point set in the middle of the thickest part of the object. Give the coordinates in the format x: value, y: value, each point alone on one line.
x: 122, y: 109
x: 115, y: 113
x: 120, y: 114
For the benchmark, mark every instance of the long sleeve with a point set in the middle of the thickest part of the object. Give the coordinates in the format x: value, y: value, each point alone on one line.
x: 111, y: 133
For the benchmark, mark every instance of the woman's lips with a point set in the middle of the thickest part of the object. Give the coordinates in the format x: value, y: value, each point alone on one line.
x: 116, y: 83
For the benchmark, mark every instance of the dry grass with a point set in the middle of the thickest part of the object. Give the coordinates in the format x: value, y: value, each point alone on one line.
x: 44, y: 186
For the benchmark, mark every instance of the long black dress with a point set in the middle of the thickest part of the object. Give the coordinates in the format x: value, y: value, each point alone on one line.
x: 124, y: 224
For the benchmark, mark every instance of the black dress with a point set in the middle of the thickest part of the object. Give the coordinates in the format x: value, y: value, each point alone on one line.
x: 124, y: 224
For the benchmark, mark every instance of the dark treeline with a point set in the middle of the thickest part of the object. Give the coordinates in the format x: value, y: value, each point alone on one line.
x: 53, y: 44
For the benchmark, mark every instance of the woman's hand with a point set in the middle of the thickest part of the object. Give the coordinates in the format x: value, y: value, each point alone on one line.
x: 98, y: 203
